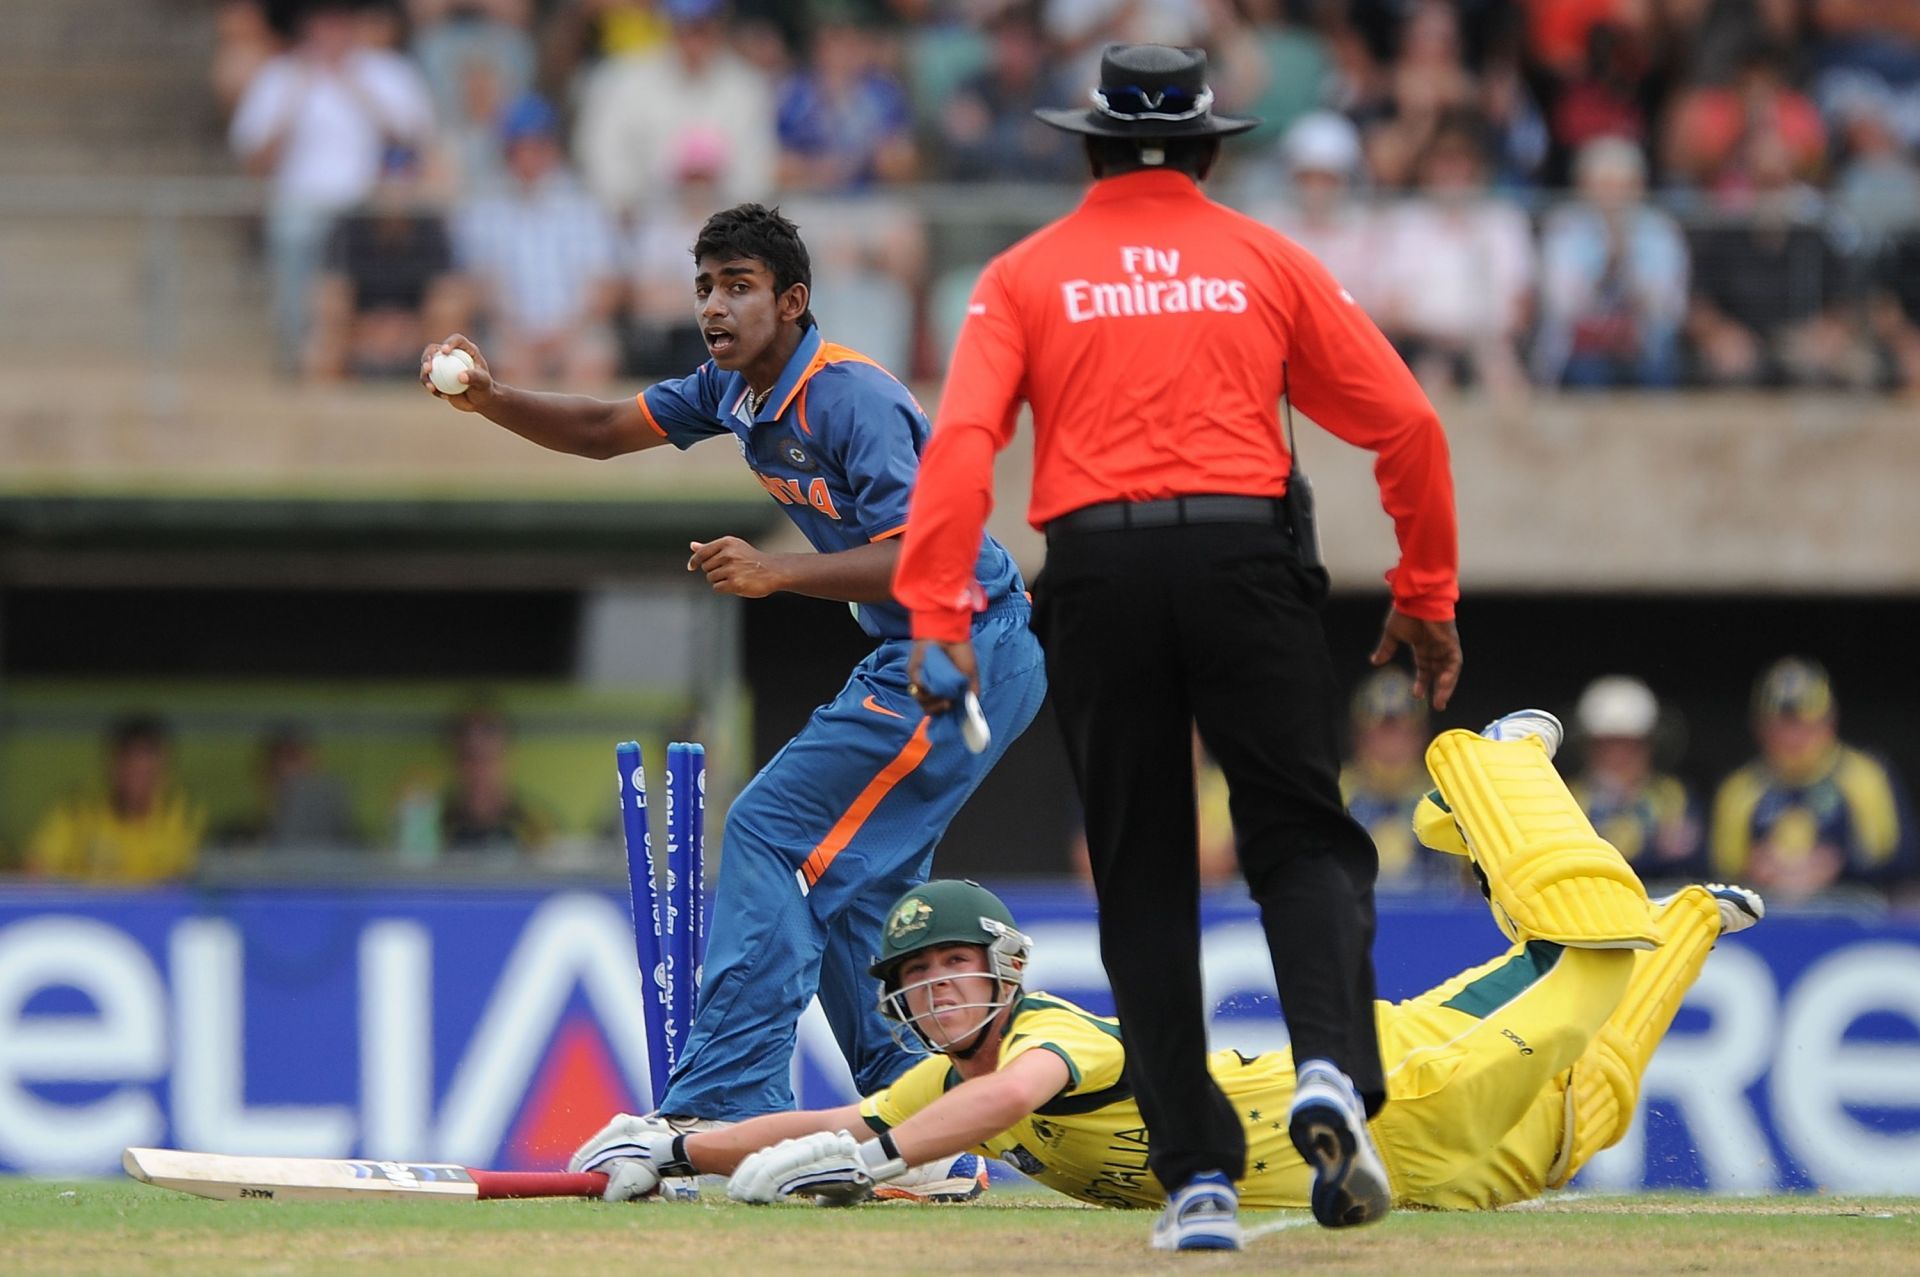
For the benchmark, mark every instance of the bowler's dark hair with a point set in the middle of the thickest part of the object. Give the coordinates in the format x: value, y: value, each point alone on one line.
x: 1113, y: 156
x: 762, y: 234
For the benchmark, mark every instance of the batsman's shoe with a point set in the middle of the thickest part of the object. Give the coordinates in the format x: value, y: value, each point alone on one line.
x: 1740, y: 907
x: 1433, y: 822
x: 1329, y: 1128
x: 1524, y: 724
x: 1203, y: 1215
x: 960, y: 1178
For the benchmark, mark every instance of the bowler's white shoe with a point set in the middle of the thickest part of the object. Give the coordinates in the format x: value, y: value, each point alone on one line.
x: 960, y: 1178
x: 1329, y: 1128
x: 1523, y: 723
x: 1203, y: 1215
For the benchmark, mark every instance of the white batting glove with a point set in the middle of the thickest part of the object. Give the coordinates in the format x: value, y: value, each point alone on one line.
x: 615, y: 1139
x: 770, y: 1174
x: 635, y: 1153
x: 830, y: 1167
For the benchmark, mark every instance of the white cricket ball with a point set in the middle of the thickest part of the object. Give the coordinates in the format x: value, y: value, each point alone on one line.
x: 445, y: 372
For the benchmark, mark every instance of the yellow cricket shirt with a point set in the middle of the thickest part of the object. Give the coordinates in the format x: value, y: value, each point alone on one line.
x: 1089, y: 1141
x: 88, y: 840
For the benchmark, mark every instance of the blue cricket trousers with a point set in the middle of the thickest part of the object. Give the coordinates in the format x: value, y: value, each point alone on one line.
x: 835, y: 828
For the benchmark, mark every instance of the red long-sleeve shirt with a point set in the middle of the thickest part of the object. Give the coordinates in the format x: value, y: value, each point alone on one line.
x: 1148, y: 330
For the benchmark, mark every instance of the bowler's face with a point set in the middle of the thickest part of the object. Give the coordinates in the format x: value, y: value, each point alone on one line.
x: 737, y: 309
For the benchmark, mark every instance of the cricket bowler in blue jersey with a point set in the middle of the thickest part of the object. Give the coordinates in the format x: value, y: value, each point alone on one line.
x: 845, y: 817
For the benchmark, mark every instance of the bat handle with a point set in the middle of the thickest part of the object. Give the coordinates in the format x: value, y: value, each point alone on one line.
x: 973, y: 725
x: 494, y: 1185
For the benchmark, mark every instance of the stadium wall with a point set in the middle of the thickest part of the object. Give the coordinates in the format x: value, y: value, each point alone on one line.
x: 1714, y: 491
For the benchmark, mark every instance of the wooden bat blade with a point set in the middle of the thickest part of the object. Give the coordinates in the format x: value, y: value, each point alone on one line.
x: 303, y: 1179
x: 312, y: 1179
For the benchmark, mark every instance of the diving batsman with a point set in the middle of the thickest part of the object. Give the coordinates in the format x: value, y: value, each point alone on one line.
x: 1503, y: 1080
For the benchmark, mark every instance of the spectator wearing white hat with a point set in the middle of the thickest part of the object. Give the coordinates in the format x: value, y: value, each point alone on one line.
x: 1322, y: 156
x: 1647, y: 814
x: 1613, y: 278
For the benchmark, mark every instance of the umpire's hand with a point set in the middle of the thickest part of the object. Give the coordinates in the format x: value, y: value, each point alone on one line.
x: 1436, y: 653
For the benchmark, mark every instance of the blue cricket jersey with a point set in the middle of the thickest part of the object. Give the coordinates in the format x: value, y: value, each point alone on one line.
x: 837, y: 444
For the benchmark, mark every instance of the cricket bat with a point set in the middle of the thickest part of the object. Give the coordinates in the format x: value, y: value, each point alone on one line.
x: 320, y: 1179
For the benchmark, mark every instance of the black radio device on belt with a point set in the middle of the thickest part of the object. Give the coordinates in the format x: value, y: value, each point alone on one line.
x: 1299, y: 498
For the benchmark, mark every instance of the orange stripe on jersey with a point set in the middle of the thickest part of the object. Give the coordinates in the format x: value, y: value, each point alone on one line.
x: 805, y: 429
x: 834, y: 353
x: 878, y: 788
x: 819, y: 362
x: 829, y: 353
x: 889, y: 534
x: 647, y: 414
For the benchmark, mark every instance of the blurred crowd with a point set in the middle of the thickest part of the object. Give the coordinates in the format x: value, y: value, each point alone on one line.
x: 138, y: 823
x: 1522, y: 192
x: 1809, y: 816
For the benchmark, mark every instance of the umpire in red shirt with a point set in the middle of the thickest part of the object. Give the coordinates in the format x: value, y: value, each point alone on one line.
x: 1153, y: 332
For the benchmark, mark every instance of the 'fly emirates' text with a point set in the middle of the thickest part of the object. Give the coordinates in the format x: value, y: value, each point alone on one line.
x: 1153, y: 288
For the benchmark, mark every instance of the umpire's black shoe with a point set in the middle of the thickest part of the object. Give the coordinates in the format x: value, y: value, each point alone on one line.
x: 1329, y: 1127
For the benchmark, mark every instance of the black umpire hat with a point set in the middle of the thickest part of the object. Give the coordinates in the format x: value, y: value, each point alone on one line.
x: 1149, y: 91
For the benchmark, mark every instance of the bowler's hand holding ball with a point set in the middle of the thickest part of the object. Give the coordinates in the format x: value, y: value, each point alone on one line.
x: 445, y: 371
x: 456, y: 371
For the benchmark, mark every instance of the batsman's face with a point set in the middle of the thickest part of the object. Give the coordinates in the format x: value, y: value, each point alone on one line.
x: 738, y: 310
x: 949, y: 992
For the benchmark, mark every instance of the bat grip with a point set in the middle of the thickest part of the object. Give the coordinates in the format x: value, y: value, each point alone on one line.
x: 494, y: 1185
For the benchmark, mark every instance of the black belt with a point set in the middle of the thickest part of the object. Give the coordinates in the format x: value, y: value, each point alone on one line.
x: 1172, y: 512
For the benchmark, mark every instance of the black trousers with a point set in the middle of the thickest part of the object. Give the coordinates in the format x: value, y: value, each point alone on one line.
x: 1150, y: 631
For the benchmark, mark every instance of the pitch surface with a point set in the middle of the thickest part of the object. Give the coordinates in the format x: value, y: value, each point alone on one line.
x: 123, y: 1229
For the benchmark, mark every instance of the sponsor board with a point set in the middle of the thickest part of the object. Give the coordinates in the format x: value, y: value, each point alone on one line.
x: 499, y: 1027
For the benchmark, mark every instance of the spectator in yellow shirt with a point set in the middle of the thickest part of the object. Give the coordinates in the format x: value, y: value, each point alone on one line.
x: 143, y: 829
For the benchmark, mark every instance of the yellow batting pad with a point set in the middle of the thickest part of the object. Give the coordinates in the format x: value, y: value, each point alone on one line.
x: 1601, y: 1099
x: 1606, y: 1079
x: 1550, y: 875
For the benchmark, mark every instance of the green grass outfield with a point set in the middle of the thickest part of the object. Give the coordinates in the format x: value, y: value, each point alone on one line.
x: 96, y: 1227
